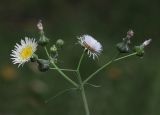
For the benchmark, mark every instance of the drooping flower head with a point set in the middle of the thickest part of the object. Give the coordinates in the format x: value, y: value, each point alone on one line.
x: 93, y: 47
x: 24, y: 51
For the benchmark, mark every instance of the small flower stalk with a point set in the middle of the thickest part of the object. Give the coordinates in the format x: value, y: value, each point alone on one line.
x: 26, y: 51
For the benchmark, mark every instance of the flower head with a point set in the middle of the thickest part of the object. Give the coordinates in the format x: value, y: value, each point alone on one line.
x: 24, y: 51
x: 130, y: 34
x: 93, y: 47
x: 147, y: 42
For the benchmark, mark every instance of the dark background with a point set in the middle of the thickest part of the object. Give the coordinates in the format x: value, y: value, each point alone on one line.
x: 128, y: 87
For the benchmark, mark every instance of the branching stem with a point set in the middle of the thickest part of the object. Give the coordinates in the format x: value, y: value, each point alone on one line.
x: 107, y: 64
x: 60, y: 71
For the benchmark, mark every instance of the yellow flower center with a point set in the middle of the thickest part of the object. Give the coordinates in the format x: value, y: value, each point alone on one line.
x: 26, y: 52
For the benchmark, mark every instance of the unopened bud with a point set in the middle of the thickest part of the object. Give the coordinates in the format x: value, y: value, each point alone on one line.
x: 59, y: 42
x: 53, y: 49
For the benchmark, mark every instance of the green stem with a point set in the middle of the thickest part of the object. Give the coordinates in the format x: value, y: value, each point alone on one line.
x: 65, y: 69
x: 47, y: 52
x: 60, y: 93
x: 107, y: 64
x: 123, y: 57
x: 64, y: 75
x: 83, y: 94
x: 79, y: 64
x: 60, y: 71
x: 82, y: 86
x: 85, y: 101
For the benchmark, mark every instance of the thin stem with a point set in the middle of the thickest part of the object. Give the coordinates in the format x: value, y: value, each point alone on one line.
x: 129, y: 55
x: 60, y: 71
x: 59, y: 93
x: 92, y: 85
x: 79, y: 64
x: 107, y: 64
x: 72, y: 70
x: 47, y: 52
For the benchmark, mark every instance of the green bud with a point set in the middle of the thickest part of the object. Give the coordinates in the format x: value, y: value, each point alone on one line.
x: 139, y: 50
x: 34, y: 58
x: 43, y: 65
x: 43, y: 41
x: 53, y: 49
x: 123, y: 47
x: 60, y: 43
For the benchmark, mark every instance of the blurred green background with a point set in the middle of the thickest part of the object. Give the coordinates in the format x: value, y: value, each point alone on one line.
x: 129, y: 87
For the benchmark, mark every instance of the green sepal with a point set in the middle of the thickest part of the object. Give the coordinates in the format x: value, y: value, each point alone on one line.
x: 34, y: 58
x: 43, y: 40
x: 123, y: 47
x: 43, y: 65
x: 140, y: 50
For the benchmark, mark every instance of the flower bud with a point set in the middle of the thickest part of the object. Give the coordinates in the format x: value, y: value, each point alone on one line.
x: 43, y: 41
x: 123, y: 47
x: 140, y: 49
x: 34, y: 58
x: 53, y: 49
x: 43, y: 65
x: 60, y: 43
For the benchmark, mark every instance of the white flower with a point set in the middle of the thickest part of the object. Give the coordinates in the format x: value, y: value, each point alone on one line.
x: 93, y: 47
x: 147, y: 42
x: 23, y: 52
